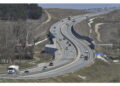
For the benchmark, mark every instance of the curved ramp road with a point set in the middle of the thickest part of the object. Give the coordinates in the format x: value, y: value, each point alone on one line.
x: 71, y: 50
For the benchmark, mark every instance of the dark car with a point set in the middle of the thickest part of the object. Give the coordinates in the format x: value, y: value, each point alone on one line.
x: 45, y: 68
x: 69, y: 44
x: 73, y: 21
x: 86, y: 58
x: 51, y: 64
x: 26, y: 71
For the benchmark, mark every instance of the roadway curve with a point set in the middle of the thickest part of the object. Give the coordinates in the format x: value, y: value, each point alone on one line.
x: 70, y: 59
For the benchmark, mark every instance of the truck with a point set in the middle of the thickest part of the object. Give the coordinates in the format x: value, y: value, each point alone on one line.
x: 13, y: 69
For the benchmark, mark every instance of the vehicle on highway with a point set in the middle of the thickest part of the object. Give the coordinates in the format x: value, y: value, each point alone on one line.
x: 44, y: 67
x: 69, y: 18
x: 86, y: 58
x: 86, y: 51
x: 26, y: 71
x: 82, y: 56
x: 13, y: 69
x: 51, y: 64
x: 69, y: 44
x: 73, y: 20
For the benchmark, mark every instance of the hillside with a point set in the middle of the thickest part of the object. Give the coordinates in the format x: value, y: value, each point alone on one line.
x: 108, y: 29
x: 58, y: 13
x: 110, y: 32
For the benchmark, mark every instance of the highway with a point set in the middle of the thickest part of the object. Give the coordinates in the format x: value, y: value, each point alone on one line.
x: 71, y: 50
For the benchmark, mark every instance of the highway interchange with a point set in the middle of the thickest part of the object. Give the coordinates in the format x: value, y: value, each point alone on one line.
x: 71, y: 50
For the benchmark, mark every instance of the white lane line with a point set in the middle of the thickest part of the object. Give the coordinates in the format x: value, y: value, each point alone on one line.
x: 41, y: 41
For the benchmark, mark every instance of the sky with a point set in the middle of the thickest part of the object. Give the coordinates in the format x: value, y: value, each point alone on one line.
x: 78, y: 6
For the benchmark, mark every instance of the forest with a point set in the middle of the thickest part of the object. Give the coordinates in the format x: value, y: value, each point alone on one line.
x: 20, y: 11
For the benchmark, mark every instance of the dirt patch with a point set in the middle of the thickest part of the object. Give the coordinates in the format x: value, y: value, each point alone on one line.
x: 97, y: 27
x: 82, y: 28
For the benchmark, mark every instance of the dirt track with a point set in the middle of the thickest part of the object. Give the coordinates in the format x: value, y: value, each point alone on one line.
x: 97, y: 27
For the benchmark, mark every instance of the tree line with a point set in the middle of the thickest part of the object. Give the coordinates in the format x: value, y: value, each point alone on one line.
x: 14, y: 40
x: 20, y: 11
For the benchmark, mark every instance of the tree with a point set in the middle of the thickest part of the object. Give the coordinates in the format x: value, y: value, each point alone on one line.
x: 20, y: 11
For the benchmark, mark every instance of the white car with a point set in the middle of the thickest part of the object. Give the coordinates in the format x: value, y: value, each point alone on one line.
x: 86, y: 51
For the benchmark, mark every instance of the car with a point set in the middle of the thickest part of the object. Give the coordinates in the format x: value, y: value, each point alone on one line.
x: 69, y: 44
x: 86, y: 58
x: 51, y: 64
x: 73, y: 20
x: 69, y: 18
x: 86, y: 51
x: 26, y: 71
x: 44, y: 67
x: 82, y: 56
